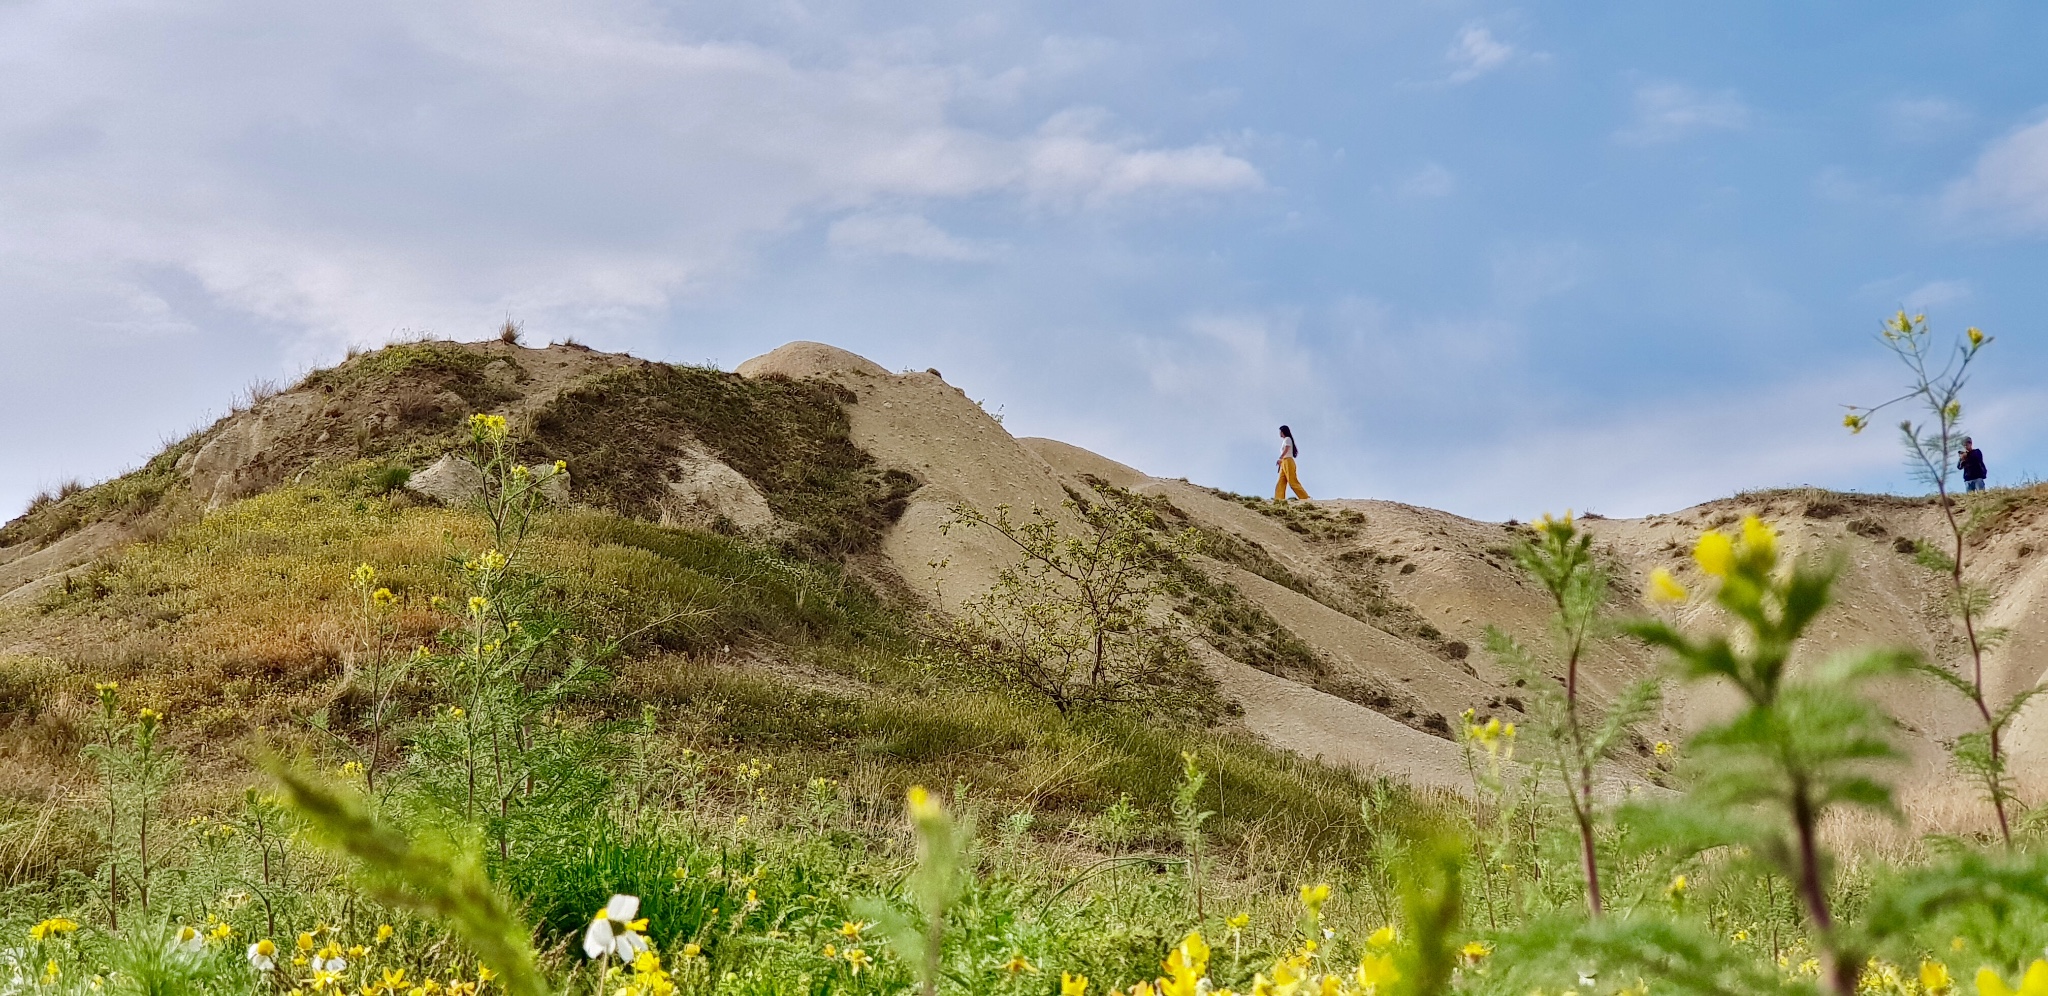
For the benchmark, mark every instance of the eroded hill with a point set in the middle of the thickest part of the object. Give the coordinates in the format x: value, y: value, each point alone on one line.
x: 1348, y: 630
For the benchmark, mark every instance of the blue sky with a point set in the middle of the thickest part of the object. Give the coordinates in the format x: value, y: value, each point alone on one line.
x: 1492, y: 258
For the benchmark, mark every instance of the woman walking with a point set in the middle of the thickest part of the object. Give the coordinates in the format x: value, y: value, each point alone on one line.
x: 1288, y: 451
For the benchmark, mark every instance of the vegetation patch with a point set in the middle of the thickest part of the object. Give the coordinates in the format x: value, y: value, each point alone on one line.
x: 625, y: 433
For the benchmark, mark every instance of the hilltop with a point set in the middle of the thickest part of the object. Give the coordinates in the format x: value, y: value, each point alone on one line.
x: 1346, y: 631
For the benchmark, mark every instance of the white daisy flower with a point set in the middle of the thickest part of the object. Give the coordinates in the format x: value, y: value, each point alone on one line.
x: 614, y: 931
x: 263, y: 955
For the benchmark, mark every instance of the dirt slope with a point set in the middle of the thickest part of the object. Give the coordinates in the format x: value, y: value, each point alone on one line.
x: 816, y: 446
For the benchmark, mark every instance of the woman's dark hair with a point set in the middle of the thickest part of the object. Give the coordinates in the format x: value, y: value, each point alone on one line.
x: 1289, y: 433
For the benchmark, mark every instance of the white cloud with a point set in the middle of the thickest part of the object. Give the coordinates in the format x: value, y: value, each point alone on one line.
x: 1475, y: 53
x: 903, y: 234
x: 344, y: 171
x: 2007, y: 190
x: 1667, y: 112
x: 1430, y: 182
x: 1936, y: 293
x: 1924, y: 119
x: 1068, y: 163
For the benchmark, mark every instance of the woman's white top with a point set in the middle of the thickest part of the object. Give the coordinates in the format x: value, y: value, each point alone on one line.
x: 1286, y: 448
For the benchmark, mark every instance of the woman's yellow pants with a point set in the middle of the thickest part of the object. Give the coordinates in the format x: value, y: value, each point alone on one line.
x: 1287, y: 479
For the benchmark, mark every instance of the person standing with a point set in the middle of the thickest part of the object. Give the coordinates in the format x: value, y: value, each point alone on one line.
x: 1972, y: 466
x: 1288, y: 451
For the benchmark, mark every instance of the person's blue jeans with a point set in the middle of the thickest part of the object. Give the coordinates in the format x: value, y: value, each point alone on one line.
x: 1976, y: 485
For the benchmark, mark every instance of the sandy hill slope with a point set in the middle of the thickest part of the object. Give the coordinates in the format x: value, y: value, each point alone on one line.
x: 1363, y: 621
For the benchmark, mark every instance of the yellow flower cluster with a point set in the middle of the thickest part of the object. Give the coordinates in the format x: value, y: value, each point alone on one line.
x: 52, y: 928
x: 1493, y: 736
x: 1753, y: 550
x: 488, y: 428
x: 1300, y: 972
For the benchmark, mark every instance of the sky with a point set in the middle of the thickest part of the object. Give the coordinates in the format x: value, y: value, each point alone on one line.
x: 1499, y: 259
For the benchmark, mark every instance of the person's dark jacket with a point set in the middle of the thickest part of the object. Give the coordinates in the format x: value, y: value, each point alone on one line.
x: 1972, y: 465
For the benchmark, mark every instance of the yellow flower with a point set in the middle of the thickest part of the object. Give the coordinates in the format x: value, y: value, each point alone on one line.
x: 1676, y: 888
x: 1018, y: 963
x: 487, y: 428
x: 1315, y: 896
x: 922, y: 805
x: 1952, y: 411
x: 1854, y: 423
x: 1475, y: 950
x: 51, y: 928
x: 1715, y: 553
x: 1073, y: 985
x: 477, y: 604
x: 1376, y: 973
x: 51, y: 973
x: 1662, y: 748
x: 691, y: 950
x: 1934, y: 978
x: 384, y: 932
x: 1956, y: 943
x: 561, y: 466
x: 1741, y: 935
x: 1239, y: 922
x: 858, y: 959
x: 1185, y: 966
x: 831, y: 951
x: 364, y: 576
x: 383, y: 598
x: 1664, y: 588
x: 220, y: 932
x: 1976, y: 336
x: 2033, y: 983
x: 851, y: 928
x: 1382, y: 939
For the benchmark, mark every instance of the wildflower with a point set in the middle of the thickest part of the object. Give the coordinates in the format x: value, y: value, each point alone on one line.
x: 330, y: 959
x: 1376, y: 973
x: 51, y: 973
x: 922, y: 805
x: 263, y: 955
x: 220, y: 932
x: 1854, y: 423
x: 1238, y: 922
x: 384, y: 932
x: 561, y: 466
x: 753, y: 899
x: 1017, y: 964
x: 691, y: 950
x: 2033, y: 983
x: 1741, y: 935
x: 320, y: 980
x: 1715, y: 553
x: 1976, y: 336
x: 51, y: 928
x: 1956, y: 943
x: 1664, y: 588
x: 393, y: 980
x: 1073, y: 985
x: 858, y: 959
x: 364, y: 576
x: 851, y: 928
x: 1314, y: 897
x: 1185, y: 966
x: 1382, y: 939
x: 1934, y: 978
x: 477, y: 604
x: 383, y: 598
x: 190, y: 939
x: 614, y: 931
x: 1952, y: 412
x: 352, y: 769
x: 1662, y: 748
x: 487, y: 428
x: 831, y: 951
x: 1474, y: 951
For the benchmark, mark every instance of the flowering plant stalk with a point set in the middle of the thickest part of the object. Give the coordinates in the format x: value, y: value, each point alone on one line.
x: 1559, y: 556
x: 1933, y: 447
